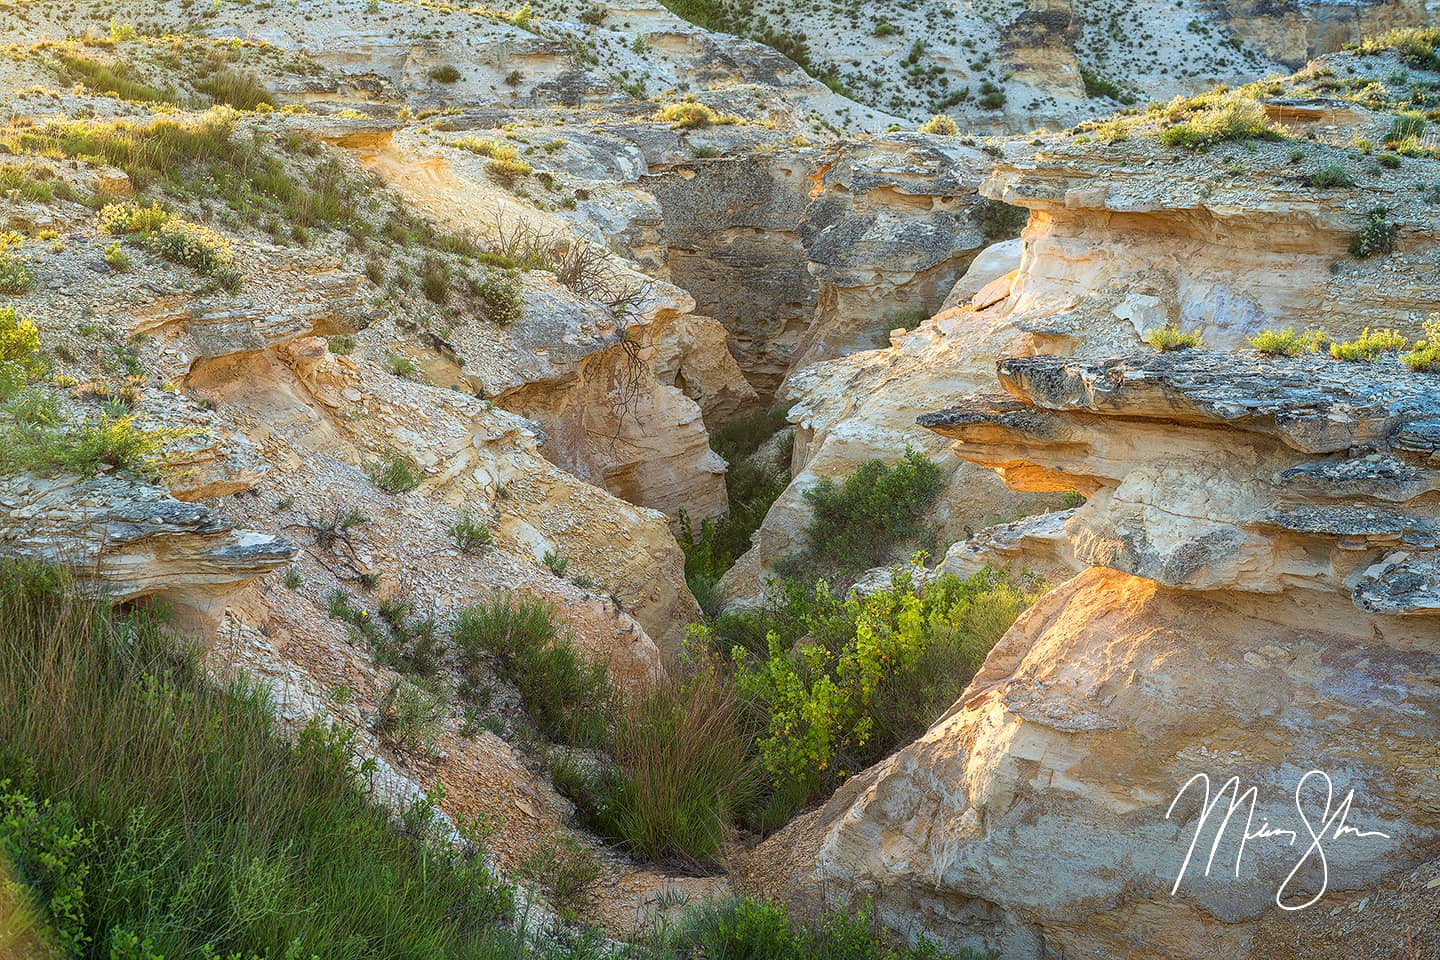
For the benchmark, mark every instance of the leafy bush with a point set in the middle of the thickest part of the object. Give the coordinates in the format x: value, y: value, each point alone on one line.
x: 83, y: 448
x: 410, y: 715
x: 500, y: 298
x: 394, y: 472
x: 210, y: 832
x: 566, y: 696
x: 445, y: 73
x: 1098, y: 86
x: 130, y: 216
x: 1330, y: 176
x: 998, y: 220
x: 1369, y: 345
x: 20, y: 360
x: 192, y: 245
x: 1169, y: 338
x: 116, y: 256
x: 1219, y: 120
x: 940, y: 124
x: 873, y: 672
x: 691, y: 115
x: 1376, y: 236
x: 856, y: 524
x: 1287, y: 343
x: 1424, y: 357
x: 562, y: 867
x: 47, y: 849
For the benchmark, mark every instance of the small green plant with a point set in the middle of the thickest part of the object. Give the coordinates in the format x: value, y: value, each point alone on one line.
x: 556, y: 564
x: 342, y: 344
x: 394, y: 472
x: 941, y: 125
x: 1389, y: 161
x: 116, y: 256
x: 1331, y: 176
x: 470, y: 534
x: 1367, y: 347
x: 410, y: 715
x: 20, y: 360
x: 564, y: 868
x: 293, y: 579
x: 1169, y: 337
x: 445, y: 73
x: 47, y: 848
x: 1287, y: 343
x: 1377, y: 235
x: 399, y: 365
x: 1424, y: 357
x: 15, y: 277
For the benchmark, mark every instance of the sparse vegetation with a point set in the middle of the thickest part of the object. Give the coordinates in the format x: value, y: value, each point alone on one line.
x: 692, y: 115
x: 1424, y: 357
x: 1210, y: 119
x: 235, y: 88
x: 470, y: 534
x: 445, y: 73
x: 1330, y: 176
x: 1287, y: 343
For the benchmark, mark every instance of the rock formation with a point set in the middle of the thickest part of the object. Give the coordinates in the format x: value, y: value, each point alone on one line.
x: 1258, y: 599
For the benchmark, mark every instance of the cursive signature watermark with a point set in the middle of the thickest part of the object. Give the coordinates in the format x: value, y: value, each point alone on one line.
x: 1328, y: 827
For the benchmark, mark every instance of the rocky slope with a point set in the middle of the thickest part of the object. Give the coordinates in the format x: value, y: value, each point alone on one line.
x: 1258, y: 600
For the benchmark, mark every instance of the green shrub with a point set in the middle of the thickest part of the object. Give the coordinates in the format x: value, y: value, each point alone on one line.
x: 1287, y: 343
x: 399, y: 365
x: 20, y: 360
x: 748, y: 929
x: 117, y: 79
x: 47, y: 849
x: 998, y: 220
x: 84, y: 448
x: 493, y: 149
x: 410, y: 715
x: 470, y: 535
x: 856, y: 524
x: 1369, y: 345
x: 566, y: 696
x: 1098, y: 86
x: 564, y: 868
x: 394, y: 472
x: 872, y: 673
x: 116, y: 256
x: 1169, y: 338
x: 940, y: 124
x: 508, y: 169
x: 1389, y: 161
x: 691, y: 115
x: 191, y: 245
x: 235, y: 88
x: 500, y: 298
x: 1219, y: 119
x: 1330, y: 176
x: 130, y: 216
x: 1424, y: 357
x: 1376, y: 236
x: 15, y: 277
x: 1407, y: 124
x: 210, y: 831
x: 445, y: 73
x: 1416, y: 45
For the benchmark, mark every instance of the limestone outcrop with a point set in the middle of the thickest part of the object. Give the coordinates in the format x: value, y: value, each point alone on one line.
x: 1258, y: 600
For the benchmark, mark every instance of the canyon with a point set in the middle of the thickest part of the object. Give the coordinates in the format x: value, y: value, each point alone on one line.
x: 487, y: 342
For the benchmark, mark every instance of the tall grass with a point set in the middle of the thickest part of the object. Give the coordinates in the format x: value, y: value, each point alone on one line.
x: 684, y: 770
x: 205, y: 827
x: 117, y: 79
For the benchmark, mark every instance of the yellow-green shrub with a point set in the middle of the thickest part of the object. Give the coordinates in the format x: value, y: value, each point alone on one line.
x: 1369, y: 345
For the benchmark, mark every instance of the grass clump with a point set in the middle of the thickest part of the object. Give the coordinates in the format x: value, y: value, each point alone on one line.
x: 394, y: 472
x: 1169, y: 337
x: 116, y: 256
x: 116, y: 79
x: 1417, y: 46
x: 564, y: 868
x: 1210, y: 119
x: 566, y: 696
x: 445, y: 73
x: 1099, y: 86
x: 410, y: 715
x: 235, y: 88
x: 1368, y: 347
x: 1331, y: 176
x: 1287, y: 343
x: 500, y: 298
x: 173, y: 239
x: 205, y: 830
x: 1377, y: 235
x: 20, y: 359
x: 84, y: 448
x: 470, y: 534
x: 941, y: 125
x: 857, y: 523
